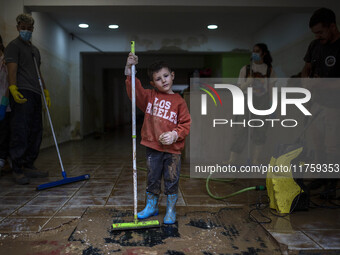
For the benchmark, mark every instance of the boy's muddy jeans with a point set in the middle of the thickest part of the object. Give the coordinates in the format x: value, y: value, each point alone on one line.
x: 166, y: 164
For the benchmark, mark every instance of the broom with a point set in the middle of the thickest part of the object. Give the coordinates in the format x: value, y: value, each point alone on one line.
x: 65, y: 179
x: 135, y: 224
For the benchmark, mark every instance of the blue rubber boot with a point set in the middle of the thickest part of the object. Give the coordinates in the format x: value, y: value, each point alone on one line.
x: 170, y: 216
x: 151, y: 208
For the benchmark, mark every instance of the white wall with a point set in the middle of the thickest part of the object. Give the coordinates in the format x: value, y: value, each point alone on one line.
x: 8, y: 12
x: 54, y: 45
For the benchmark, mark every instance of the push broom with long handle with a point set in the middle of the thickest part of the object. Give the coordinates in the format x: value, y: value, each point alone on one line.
x: 65, y: 179
x: 135, y: 224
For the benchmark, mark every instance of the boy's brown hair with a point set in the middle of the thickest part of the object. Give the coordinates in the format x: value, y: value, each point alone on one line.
x: 155, y: 67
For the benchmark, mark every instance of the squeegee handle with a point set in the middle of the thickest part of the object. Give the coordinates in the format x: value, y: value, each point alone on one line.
x: 49, y: 116
x: 134, y: 136
x: 133, y: 47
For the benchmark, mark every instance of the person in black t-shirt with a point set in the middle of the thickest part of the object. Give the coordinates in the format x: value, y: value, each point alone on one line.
x: 322, y: 60
x: 25, y: 100
x: 323, y: 55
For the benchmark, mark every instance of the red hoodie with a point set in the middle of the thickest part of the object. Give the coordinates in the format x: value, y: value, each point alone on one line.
x: 163, y: 113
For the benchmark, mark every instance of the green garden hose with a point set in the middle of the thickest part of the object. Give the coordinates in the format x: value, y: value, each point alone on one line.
x: 258, y: 187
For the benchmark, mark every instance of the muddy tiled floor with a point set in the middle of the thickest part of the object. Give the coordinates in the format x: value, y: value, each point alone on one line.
x: 76, y: 218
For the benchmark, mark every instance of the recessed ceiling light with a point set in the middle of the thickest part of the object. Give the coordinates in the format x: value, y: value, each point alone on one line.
x: 83, y: 25
x: 212, y: 26
x: 113, y: 26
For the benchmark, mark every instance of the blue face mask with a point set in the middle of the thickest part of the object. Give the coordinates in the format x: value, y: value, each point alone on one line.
x: 256, y: 57
x: 25, y: 35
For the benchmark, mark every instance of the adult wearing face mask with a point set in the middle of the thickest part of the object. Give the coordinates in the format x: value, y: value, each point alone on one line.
x: 25, y: 100
x: 254, y: 75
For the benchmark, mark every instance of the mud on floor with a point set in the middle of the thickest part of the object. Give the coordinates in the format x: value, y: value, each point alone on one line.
x: 223, y: 231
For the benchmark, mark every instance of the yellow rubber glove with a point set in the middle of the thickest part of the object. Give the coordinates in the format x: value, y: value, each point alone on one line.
x: 48, y: 99
x: 18, y: 97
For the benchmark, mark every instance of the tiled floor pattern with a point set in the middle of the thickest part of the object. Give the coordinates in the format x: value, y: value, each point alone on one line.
x: 108, y: 161
x: 316, y: 229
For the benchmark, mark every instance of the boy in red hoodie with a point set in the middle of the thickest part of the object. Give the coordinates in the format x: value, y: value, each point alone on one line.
x: 166, y: 124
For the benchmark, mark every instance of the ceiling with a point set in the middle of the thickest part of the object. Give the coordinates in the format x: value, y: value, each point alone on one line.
x: 164, y: 19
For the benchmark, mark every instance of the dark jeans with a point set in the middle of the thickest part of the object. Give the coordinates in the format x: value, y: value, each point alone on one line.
x: 26, y: 130
x: 4, y: 136
x: 166, y: 164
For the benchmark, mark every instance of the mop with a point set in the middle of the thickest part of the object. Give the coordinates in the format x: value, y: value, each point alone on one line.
x: 135, y: 224
x: 65, y: 179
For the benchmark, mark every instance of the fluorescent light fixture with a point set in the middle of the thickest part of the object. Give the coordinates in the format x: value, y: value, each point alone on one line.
x: 212, y: 26
x: 113, y: 26
x: 83, y: 25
